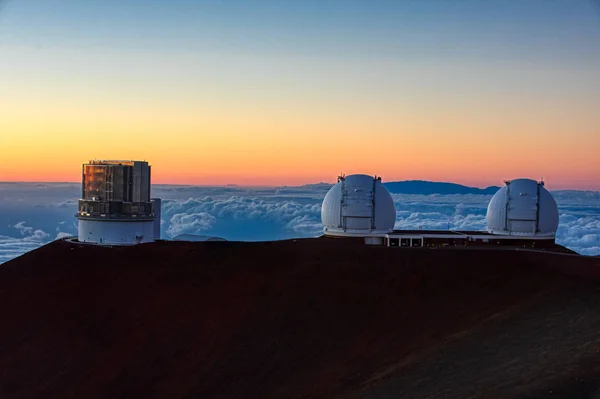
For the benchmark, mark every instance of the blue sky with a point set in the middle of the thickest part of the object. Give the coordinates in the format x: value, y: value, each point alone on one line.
x: 567, y: 30
x: 285, y: 92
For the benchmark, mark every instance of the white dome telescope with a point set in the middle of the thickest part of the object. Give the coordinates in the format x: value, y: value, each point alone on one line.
x: 523, y: 207
x: 358, y: 205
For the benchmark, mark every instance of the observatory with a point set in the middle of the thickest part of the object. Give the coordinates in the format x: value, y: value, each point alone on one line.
x: 523, y: 207
x: 358, y: 206
x: 521, y: 214
x: 115, y: 206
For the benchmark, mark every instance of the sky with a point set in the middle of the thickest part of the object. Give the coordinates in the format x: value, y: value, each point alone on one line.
x: 263, y: 92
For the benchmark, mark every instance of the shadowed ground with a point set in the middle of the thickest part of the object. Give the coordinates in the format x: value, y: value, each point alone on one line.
x: 296, y: 319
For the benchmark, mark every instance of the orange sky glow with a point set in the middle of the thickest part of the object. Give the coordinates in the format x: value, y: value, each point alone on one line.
x: 442, y: 107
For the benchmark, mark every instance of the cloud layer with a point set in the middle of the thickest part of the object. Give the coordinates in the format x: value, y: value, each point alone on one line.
x: 31, y: 215
x: 30, y: 238
x: 238, y: 217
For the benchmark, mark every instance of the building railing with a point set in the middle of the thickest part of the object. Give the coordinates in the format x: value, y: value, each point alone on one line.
x: 114, y: 216
x: 110, y: 162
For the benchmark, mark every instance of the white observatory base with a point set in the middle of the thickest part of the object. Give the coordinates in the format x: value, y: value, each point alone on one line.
x: 116, y: 232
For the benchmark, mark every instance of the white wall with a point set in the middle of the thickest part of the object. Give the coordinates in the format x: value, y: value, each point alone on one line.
x: 114, y: 232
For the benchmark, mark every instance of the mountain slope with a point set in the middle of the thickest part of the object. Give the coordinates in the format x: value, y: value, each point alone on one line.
x: 307, y: 318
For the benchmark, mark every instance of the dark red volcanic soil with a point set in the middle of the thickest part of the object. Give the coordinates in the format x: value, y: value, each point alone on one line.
x: 296, y: 319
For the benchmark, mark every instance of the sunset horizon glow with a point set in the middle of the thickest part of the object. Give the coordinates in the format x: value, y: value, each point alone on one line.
x: 257, y: 94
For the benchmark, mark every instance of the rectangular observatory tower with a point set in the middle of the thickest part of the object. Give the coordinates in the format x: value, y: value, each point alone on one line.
x: 115, y: 206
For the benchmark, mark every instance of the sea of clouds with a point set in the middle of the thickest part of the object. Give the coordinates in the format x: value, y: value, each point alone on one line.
x: 34, y: 214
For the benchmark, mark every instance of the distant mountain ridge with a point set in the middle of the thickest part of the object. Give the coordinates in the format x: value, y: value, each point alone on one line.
x: 429, y: 187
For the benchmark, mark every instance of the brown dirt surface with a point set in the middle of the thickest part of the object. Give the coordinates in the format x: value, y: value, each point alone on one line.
x: 315, y: 318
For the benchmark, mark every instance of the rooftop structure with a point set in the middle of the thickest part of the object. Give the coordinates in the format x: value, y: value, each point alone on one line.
x: 125, y: 181
x: 359, y: 206
x: 523, y: 207
x: 115, y: 205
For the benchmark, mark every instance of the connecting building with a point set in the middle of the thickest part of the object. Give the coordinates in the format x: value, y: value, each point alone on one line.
x: 115, y: 206
x: 522, y: 213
